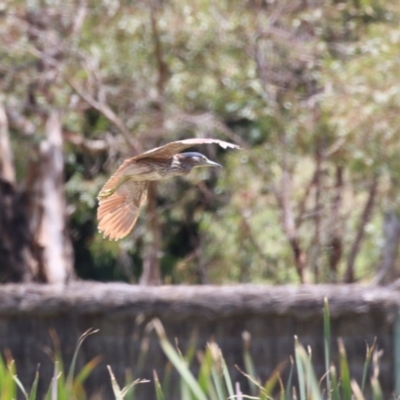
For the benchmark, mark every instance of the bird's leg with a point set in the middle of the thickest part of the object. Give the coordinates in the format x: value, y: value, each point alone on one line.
x: 108, y: 192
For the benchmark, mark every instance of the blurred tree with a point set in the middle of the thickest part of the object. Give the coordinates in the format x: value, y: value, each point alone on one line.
x: 35, y: 241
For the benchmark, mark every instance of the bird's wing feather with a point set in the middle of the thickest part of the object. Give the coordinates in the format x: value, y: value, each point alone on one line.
x: 115, y: 179
x: 118, y: 212
x: 170, y: 149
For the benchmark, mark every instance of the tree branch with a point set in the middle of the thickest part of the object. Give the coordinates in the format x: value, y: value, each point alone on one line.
x: 364, y: 219
x: 288, y: 221
x: 335, y: 244
x: 104, y: 109
x: 90, y: 145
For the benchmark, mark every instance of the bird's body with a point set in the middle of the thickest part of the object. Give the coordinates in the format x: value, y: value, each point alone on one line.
x: 125, y: 192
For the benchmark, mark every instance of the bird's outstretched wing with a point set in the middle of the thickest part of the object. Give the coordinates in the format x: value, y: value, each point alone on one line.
x: 118, y: 212
x: 122, y: 195
x: 172, y: 148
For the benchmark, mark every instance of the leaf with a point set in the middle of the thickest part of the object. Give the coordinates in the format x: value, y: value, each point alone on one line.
x: 289, y: 381
x: 70, y: 377
x: 33, y: 391
x: 335, y: 386
x: 300, y: 369
x: 356, y: 390
x: 368, y: 358
x: 159, y: 392
x: 114, y: 384
x: 177, y: 361
x: 327, y: 343
x: 248, y: 361
x: 344, y: 371
x: 307, y: 375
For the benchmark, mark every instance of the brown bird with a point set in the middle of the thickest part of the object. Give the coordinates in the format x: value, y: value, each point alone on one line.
x: 125, y: 192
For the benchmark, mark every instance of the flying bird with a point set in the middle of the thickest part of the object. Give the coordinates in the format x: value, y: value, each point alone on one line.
x: 125, y: 192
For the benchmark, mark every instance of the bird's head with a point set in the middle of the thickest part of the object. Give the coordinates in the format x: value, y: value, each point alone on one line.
x: 193, y: 160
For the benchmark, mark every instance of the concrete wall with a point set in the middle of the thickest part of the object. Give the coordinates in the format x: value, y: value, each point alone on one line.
x: 272, y: 316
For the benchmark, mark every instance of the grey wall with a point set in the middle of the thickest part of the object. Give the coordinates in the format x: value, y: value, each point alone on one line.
x: 272, y: 315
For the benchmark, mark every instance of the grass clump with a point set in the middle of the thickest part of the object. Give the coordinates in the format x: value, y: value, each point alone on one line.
x: 213, y: 380
x: 64, y: 385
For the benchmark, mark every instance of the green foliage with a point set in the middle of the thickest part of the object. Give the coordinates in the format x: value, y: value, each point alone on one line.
x: 286, y: 81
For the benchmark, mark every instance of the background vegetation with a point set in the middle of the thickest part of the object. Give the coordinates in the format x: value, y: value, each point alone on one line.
x: 309, y: 89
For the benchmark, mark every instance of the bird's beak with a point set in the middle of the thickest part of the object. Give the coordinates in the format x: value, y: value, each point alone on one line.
x: 213, y: 164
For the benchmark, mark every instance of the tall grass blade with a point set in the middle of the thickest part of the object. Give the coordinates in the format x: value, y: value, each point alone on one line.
x: 186, y: 394
x: 59, y: 391
x: 300, y: 369
x: 3, y: 375
x: 376, y: 389
x: 219, y: 388
x: 282, y: 389
x: 130, y: 394
x: 33, y: 391
x: 191, y: 349
x: 187, y: 358
x: 334, y: 395
x: 239, y: 394
x: 167, y: 377
x: 144, y: 349
x: 129, y: 388
x: 71, y: 371
x: 205, y: 374
x: 273, y: 380
x: 157, y: 386
x: 114, y: 384
x: 344, y: 371
x: 356, y: 390
x: 8, y: 385
x: 85, y: 372
x: 263, y: 391
x: 248, y: 361
x: 313, y: 392
x: 52, y: 393
x: 368, y: 358
x: 227, y: 377
x: 290, y: 379
x: 216, y: 371
x: 177, y: 361
x: 327, y: 343
x: 21, y: 387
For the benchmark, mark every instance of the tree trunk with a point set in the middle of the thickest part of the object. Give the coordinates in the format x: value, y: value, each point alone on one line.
x: 47, y: 209
x: 288, y: 220
x: 364, y: 219
x: 151, y: 265
x: 335, y: 244
x: 7, y: 172
x: 16, y: 259
x: 388, y: 272
x: 317, y: 242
